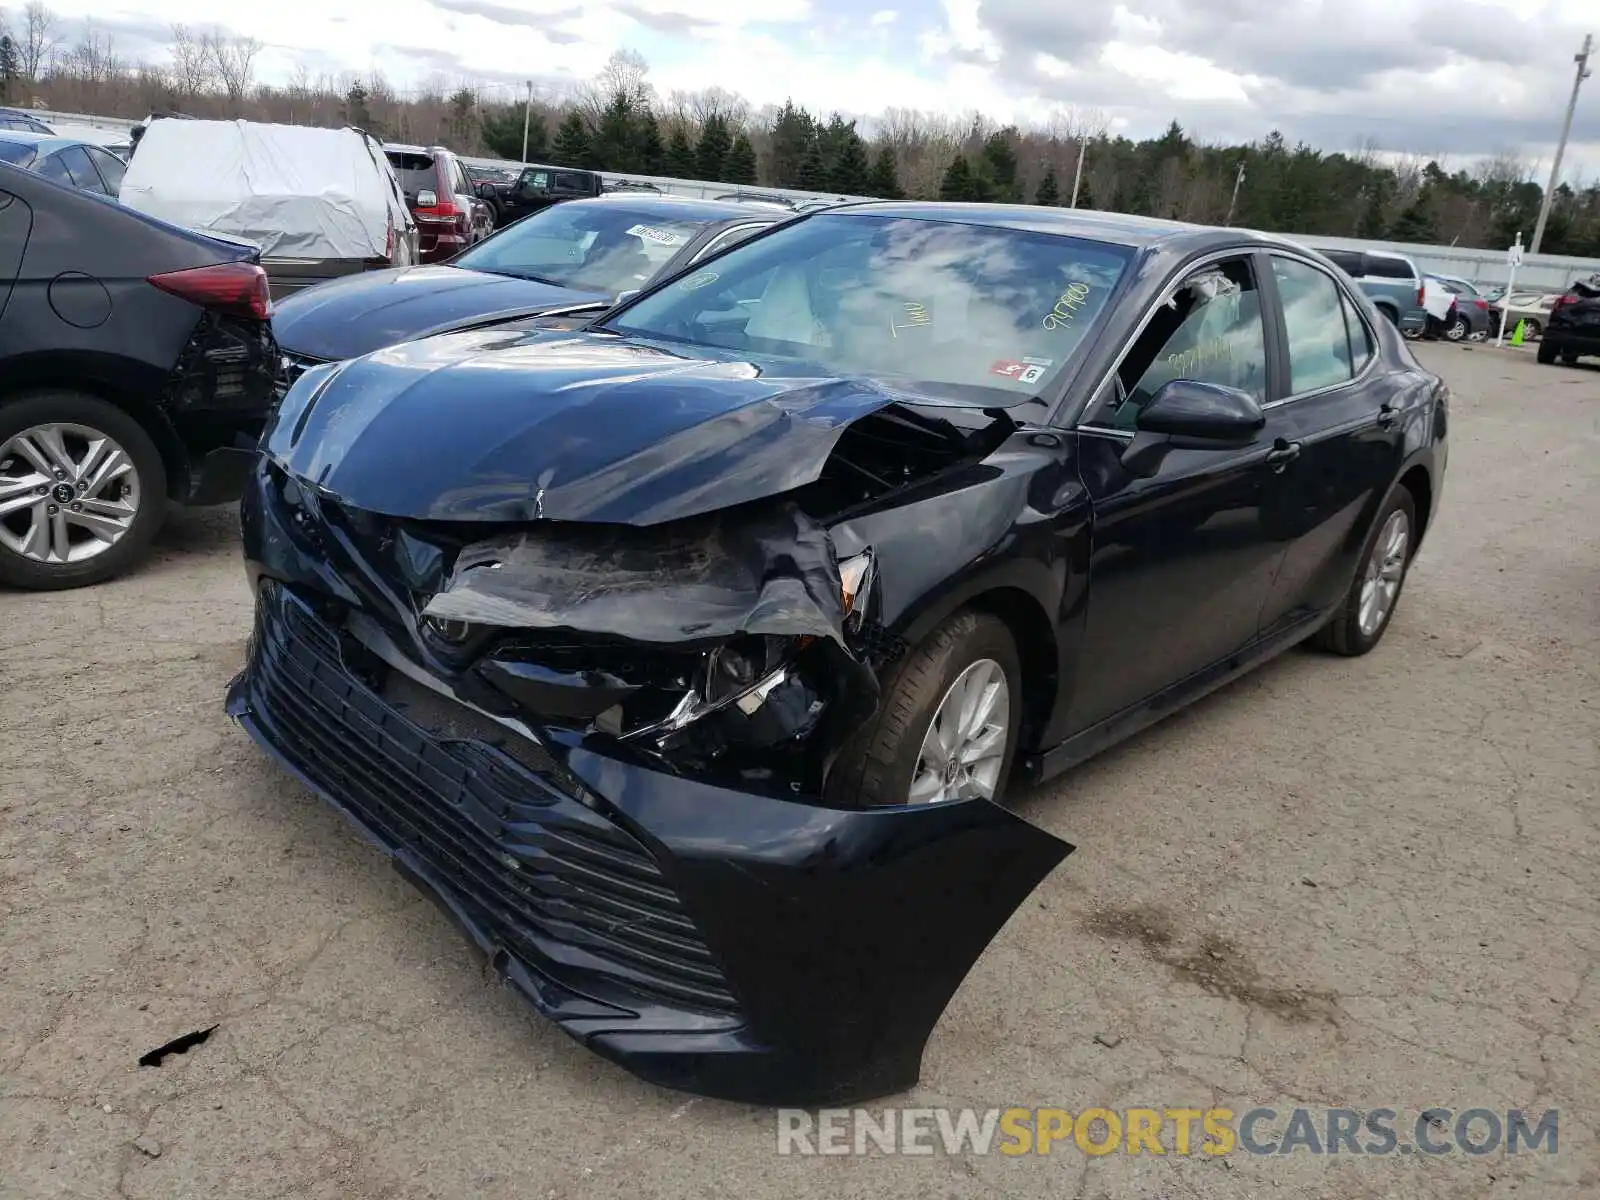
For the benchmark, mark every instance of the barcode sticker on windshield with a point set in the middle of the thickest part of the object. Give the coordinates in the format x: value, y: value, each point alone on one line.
x: 661, y: 237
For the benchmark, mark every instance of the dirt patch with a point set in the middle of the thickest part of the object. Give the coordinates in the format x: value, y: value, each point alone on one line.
x: 1148, y: 925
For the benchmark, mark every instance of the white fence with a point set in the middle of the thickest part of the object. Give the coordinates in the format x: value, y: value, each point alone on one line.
x: 1538, y: 272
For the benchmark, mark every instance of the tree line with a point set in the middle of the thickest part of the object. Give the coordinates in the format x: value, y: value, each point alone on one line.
x: 618, y: 122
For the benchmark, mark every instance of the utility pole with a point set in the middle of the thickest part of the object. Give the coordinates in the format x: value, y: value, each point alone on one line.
x: 1077, y: 176
x: 527, y: 115
x: 1583, y: 72
x: 1234, y: 199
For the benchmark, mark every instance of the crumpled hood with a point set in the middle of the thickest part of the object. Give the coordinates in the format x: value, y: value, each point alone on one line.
x: 356, y: 315
x: 512, y: 425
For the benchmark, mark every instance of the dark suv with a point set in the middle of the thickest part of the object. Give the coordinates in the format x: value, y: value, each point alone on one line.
x: 539, y: 187
x: 441, y: 197
x: 1574, y: 327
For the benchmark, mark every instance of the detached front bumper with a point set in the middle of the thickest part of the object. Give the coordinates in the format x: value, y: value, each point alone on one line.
x: 724, y: 943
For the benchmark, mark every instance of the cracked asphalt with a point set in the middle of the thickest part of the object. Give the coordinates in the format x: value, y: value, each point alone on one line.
x: 1363, y: 883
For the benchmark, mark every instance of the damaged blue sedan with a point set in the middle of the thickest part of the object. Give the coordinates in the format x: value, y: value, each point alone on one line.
x: 683, y: 658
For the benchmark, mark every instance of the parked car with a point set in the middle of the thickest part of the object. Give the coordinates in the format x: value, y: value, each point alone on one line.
x: 16, y: 121
x: 450, y: 214
x: 1391, y: 280
x: 319, y: 203
x: 574, y: 258
x: 76, y: 164
x: 136, y: 369
x: 1574, y: 328
x: 1469, y: 320
x: 683, y: 658
x: 1529, y: 309
x: 538, y: 187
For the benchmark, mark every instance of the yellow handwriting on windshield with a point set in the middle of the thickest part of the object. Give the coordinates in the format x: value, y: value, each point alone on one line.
x: 1067, y: 306
x: 915, y: 315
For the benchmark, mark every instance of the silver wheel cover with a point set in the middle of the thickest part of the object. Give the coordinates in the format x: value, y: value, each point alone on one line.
x: 1385, y: 570
x: 965, y: 744
x: 67, y: 493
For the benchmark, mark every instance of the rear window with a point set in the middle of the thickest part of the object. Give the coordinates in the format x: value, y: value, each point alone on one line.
x: 416, y: 172
x: 1389, y: 268
x: 16, y: 153
x: 1348, y: 261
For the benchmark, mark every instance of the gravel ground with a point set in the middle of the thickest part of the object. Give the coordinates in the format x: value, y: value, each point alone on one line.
x: 1358, y: 883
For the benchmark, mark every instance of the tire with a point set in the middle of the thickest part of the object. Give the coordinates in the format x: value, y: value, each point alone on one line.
x: 1344, y: 633
x: 879, y: 764
x: 1390, y: 315
x: 146, y: 500
x: 1457, y: 330
x: 1546, y: 353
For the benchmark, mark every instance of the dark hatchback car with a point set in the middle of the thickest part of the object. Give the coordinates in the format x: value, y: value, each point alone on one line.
x: 136, y: 368
x: 682, y: 659
x: 1574, y: 326
x: 65, y: 160
x: 574, y: 257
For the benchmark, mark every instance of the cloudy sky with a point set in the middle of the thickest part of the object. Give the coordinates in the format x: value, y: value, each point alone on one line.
x: 1456, y: 78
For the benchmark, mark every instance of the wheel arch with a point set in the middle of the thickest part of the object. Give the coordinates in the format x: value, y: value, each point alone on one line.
x: 111, y: 379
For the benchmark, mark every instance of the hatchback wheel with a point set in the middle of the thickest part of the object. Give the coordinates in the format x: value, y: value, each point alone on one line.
x: 1359, y: 623
x: 946, y: 725
x: 82, y: 491
x: 1457, y: 330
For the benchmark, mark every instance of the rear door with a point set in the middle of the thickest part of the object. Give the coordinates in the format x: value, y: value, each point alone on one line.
x: 16, y: 222
x: 1339, y: 420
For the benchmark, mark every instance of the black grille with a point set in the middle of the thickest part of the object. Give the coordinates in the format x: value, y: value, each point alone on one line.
x: 554, y: 883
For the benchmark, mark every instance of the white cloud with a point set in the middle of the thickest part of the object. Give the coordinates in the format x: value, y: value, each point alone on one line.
x: 884, y: 16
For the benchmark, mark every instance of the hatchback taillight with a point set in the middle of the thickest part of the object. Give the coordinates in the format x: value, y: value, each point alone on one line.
x: 1481, y: 304
x: 238, y: 289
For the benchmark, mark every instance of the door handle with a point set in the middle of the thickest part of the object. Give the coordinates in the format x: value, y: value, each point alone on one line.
x: 1282, y: 454
x: 1387, y: 416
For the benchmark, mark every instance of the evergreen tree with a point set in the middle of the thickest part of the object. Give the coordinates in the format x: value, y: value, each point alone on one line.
x: 884, y: 180
x: 10, y: 68
x: 615, y: 138
x: 957, y: 181
x: 850, y: 169
x: 813, y: 173
x: 680, y: 162
x: 1047, y: 193
x: 1000, y: 162
x: 1415, y: 222
x: 572, y: 147
x: 464, y: 119
x: 1085, y: 194
x: 355, y: 109
x: 648, y: 150
x: 741, y: 163
x: 711, y: 154
x: 793, y: 134
x: 502, y: 134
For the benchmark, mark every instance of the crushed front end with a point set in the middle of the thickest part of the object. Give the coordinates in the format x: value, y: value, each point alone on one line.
x: 602, y: 749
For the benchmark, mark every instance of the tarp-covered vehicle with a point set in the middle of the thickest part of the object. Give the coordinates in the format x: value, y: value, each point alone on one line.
x: 318, y: 203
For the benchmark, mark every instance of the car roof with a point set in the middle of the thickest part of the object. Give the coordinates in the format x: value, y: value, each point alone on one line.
x: 689, y: 208
x: 1121, y: 228
x: 44, y: 143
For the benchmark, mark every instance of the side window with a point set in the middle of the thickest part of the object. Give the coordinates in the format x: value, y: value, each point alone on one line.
x: 1313, y: 316
x: 111, y: 169
x: 54, y: 168
x: 730, y: 237
x: 84, y: 176
x: 1210, y: 331
x: 536, y: 179
x: 1361, y: 348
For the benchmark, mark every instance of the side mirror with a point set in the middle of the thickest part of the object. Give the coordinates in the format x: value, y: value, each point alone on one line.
x: 1188, y: 415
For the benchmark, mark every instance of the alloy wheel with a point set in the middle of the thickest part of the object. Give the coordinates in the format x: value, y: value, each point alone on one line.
x: 1457, y: 330
x: 67, y: 493
x: 1386, y: 569
x: 965, y: 745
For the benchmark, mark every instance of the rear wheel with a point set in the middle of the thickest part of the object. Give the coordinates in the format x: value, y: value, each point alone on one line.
x: 946, y: 726
x: 1359, y: 623
x: 1458, y: 329
x: 82, y: 491
x: 1547, y: 353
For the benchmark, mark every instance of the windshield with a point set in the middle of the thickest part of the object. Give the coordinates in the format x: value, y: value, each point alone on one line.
x: 16, y: 153
x: 607, y: 248
x: 938, y: 302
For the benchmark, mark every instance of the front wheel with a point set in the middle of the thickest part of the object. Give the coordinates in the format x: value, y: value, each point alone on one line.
x: 946, y: 725
x: 82, y: 491
x: 1360, y: 621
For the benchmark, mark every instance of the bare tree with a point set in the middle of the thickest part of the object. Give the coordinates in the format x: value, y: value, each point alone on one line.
x: 233, y: 60
x: 626, y: 73
x: 39, y: 40
x: 192, y: 68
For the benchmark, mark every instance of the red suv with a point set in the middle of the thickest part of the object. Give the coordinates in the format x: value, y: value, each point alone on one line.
x: 440, y: 196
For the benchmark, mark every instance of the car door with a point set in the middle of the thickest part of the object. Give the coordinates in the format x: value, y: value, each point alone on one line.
x: 1180, y: 563
x: 16, y: 223
x: 1343, y: 429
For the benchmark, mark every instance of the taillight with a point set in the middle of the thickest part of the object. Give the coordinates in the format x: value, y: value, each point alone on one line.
x: 1422, y: 291
x: 1569, y: 298
x: 1481, y: 304
x: 238, y: 289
